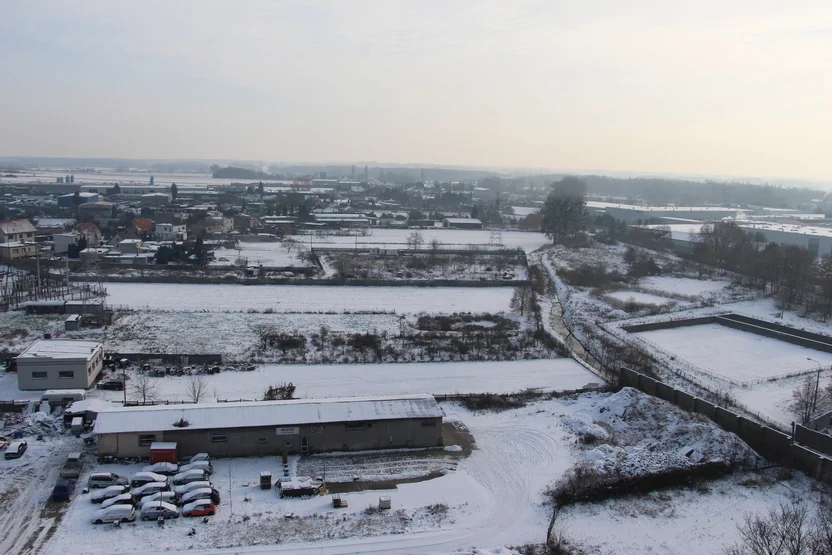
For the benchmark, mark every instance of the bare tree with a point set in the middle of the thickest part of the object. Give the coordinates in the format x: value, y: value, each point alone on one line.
x: 265, y: 334
x: 523, y: 299
x: 803, y: 400
x: 144, y: 388
x: 197, y: 387
x: 291, y: 244
x: 415, y: 240
x: 782, y: 531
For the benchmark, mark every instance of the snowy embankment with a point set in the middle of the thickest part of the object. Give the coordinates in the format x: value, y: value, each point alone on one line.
x: 308, y: 298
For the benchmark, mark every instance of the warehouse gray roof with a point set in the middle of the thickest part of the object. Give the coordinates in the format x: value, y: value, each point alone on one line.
x: 266, y: 413
x: 60, y: 349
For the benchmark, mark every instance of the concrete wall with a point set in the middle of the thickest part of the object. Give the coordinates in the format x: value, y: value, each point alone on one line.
x: 807, y: 451
x: 669, y: 324
x: 260, y: 441
x: 790, y: 336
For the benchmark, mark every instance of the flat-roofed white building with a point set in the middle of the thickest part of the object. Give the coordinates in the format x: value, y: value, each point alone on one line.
x: 59, y: 364
x: 649, y: 214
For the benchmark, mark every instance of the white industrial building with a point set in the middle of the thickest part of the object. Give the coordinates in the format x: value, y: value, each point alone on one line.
x: 59, y: 364
x: 817, y: 240
x: 631, y: 214
x: 171, y: 232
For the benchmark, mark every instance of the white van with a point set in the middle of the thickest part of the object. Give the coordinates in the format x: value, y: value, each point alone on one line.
x: 115, y: 513
x: 63, y: 396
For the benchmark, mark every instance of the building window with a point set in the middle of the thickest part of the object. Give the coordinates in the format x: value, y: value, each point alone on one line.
x: 429, y: 423
x: 39, y: 375
x: 66, y: 374
x: 219, y: 437
x: 287, y: 443
x: 146, y: 440
x: 262, y: 440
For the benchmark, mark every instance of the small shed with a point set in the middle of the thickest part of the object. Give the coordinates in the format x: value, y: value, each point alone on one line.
x: 72, y: 322
x: 163, y: 451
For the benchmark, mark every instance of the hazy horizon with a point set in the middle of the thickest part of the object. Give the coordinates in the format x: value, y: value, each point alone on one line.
x: 694, y: 88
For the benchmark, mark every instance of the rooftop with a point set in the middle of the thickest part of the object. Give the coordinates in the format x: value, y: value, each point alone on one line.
x: 635, y: 208
x: 60, y: 349
x: 266, y: 413
x: 787, y: 228
x: 463, y: 221
x: 17, y: 226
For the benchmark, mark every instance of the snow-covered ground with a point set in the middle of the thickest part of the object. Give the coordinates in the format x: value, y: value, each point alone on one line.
x: 675, y: 522
x: 683, y: 286
x: 490, y: 499
x: 736, y: 354
x: 269, y: 254
x: 638, y: 297
x: 345, y: 380
x: 198, y: 333
x: 525, y: 240
x: 308, y: 298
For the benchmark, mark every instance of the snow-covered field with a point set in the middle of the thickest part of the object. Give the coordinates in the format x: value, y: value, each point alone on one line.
x: 256, y: 254
x: 638, y: 297
x: 345, y: 380
x: 683, y: 286
x: 308, y: 298
x: 198, y: 333
x: 525, y: 240
x: 735, y: 354
x: 490, y: 499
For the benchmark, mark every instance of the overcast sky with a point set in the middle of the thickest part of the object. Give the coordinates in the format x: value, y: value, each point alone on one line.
x: 724, y: 87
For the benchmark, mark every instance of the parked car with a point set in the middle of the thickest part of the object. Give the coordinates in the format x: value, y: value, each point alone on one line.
x: 62, y: 490
x: 112, y: 385
x: 163, y: 468
x: 190, y: 486
x: 72, y: 466
x: 115, y: 513
x: 142, y: 478
x: 200, y: 493
x: 198, y: 465
x: 189, y: 476
x: 121, y: 499
x: 166, y: 496
x: 148, y: 488
x: 156, y: 509
x: 106, y: 479
x: 109, y: 492
x: 200, y: 507
x: 199, y: 457
x: 15, y: 450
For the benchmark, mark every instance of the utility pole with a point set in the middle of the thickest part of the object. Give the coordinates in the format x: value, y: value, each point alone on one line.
x: 817, y: 386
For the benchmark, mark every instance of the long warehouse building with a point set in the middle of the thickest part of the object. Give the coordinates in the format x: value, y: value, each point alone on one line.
x: 297, y: 427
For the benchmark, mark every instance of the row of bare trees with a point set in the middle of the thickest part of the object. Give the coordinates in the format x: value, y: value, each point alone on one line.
x: 796, y: 276
x: 146, y: 388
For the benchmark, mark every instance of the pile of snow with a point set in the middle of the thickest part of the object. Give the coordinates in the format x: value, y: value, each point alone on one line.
x: 632, y: 433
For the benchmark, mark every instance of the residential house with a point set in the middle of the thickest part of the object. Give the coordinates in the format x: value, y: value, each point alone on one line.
x: 130, y: 246
x: 171, y: 232
x: 17, y: 231
x: 90, y: 232
x: 142, y: 227
x: 17, y: 240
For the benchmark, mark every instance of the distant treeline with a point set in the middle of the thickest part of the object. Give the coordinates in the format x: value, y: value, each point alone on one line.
x: 233, y: 172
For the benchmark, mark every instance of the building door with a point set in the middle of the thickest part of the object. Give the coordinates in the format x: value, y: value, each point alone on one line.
x: 304, y: 446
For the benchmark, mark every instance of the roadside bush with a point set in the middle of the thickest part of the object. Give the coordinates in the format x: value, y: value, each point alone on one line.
x: 280, y: 392
x: 492, y: 401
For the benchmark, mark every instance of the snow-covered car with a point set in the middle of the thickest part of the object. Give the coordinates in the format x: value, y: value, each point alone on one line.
x: 115, y: 513
x: 189, y: 476
x: 200, y: 507
x: 156, y: 509
x: 163, y: 468
x: 142, y: 478
x: 199, y: 457
x: 166, y: 496
x: 198, y: 465
x: 190, y: 486
x: 200, y: 493
x: 108, y: 493
x: 123, y: 499
x: 148, y: 488
x: 106, y: 479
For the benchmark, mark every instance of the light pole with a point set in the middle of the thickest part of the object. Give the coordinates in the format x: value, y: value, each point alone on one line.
x: 817, y: 385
